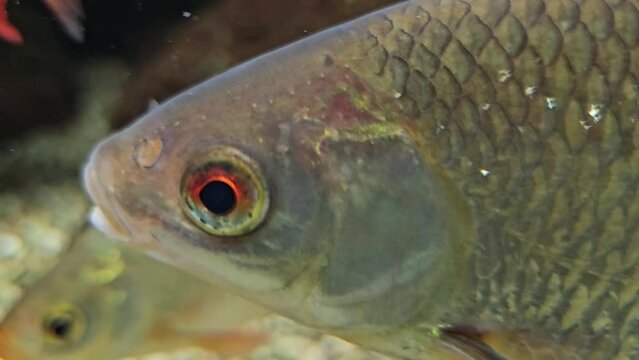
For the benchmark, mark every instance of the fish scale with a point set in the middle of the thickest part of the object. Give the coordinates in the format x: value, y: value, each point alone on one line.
x: 553, y: 274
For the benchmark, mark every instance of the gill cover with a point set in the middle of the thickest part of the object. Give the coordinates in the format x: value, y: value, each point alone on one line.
x: 392, y: 237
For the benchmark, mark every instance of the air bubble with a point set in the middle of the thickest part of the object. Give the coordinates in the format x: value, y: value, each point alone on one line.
x: 504, y: 75
x: 530, y: 91
x: 596, y: 112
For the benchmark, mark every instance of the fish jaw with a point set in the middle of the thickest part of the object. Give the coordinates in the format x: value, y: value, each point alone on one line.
x: 104, y: 223
x: 108, y: 216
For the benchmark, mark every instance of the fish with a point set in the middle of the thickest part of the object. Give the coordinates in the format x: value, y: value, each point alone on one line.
x: 105, y: 301
x: 440, y: 179
x: 68, y: 13
x: 8, y: 32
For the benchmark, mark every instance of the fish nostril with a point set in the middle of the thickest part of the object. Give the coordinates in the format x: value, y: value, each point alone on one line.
x: 148, y: 151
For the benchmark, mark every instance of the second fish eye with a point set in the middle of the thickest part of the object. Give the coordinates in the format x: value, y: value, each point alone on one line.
x: 64, y: 324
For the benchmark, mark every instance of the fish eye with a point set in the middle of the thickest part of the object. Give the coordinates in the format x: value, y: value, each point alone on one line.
x: 224, y: 192
x: 64, y: 324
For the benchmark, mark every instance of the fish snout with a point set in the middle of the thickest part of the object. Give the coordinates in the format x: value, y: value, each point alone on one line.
x: 104, y: 214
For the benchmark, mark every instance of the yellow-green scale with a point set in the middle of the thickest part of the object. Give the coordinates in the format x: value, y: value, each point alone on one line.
x: 529, y: 107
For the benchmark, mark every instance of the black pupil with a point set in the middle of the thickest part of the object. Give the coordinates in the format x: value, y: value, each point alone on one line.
x: 60, y: 327
x: 218, y: 197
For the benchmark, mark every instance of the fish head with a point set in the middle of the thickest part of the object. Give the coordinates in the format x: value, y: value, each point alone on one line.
x: 44, y: 331
x: 289, y: 186
x: 75, y: 312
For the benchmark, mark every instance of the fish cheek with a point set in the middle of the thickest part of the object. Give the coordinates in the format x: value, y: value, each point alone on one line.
x: 291, y: 234
x: 391, y: 229
x: 280, y: 247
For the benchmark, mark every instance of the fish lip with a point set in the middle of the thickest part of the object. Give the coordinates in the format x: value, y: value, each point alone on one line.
x: 103, y: 215
x: 106, y: 223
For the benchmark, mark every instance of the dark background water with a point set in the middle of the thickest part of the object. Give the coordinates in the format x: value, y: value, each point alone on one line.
x: 166, y: 45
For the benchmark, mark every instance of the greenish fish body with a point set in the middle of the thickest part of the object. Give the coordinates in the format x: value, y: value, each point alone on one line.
x: 104, y: 301
x: 440, y: 179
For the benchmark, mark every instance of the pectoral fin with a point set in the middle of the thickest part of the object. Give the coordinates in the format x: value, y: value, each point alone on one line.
x: 225, y: 342
x: 233, y: 343
x: 469, y: 345
x: 473, y: 344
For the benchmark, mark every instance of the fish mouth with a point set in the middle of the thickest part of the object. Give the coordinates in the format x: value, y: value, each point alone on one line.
x: 106, y: 223
x: 103, y: 216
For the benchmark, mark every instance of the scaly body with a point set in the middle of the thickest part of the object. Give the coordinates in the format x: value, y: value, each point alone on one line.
x: 441, y: 174
x: 530, y: 109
